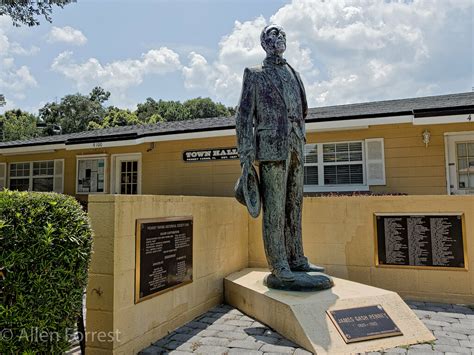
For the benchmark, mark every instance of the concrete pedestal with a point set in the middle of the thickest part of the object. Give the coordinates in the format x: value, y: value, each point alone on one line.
x: 302, y: 318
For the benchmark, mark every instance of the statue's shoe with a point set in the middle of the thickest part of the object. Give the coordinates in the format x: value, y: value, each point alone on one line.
x: 303, y: 282
x: 308, y: 267
x: 284, y: 274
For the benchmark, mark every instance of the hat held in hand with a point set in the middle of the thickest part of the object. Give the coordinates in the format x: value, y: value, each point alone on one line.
x: 247, y: 190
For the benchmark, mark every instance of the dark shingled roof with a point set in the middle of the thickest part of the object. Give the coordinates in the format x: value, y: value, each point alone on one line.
x: 420, y: 107
x: 429, y: 106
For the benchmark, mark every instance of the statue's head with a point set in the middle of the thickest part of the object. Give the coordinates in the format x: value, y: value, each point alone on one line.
x: 273, y: 40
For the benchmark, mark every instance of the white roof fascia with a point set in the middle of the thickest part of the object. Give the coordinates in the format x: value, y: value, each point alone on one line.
x: 118, y: 143
x: 23, y: 152
x: 464, y: 118
x: 358, y: 123
x: 191, y: 135
x: 34, y: 149
x: 314, y: 127
x: 158, y: 138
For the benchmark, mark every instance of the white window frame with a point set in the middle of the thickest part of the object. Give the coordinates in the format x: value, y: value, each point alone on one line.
x: 30, y: 184
x: 92, y: 157
x: 463, y: 189
x: 450, y: 141
x: 31, y: 177
x: 115, y: 175
x: 337, y: 188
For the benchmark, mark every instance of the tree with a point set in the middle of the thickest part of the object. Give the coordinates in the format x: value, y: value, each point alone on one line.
x: 155, y: 118
x: 26, y: 12
x: 168, y: 110
x: 2, y: 100
x: 146, y: 109
x: 177, y: 111
x: 116, y: 117
x: 98, y: 94
x: 78, y: 112
x: 18, y: 125
x: 74, y: 113
x: 205, y: 107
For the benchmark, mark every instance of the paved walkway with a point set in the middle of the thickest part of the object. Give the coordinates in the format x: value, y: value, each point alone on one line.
x: 225, y: 330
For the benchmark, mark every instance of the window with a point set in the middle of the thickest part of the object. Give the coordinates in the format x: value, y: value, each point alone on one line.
x: 311, y: 164
x: 43, y: 176
x: 91, y: 174
x: 129, y: 177
x: 343, y: 166
x: 20, y: 176
x: 465, y: 157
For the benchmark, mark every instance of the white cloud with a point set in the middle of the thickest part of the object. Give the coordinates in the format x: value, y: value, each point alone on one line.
x: 16, y: 49
x: 352, y: 50
x: 222, y: 78
x: 9, y: 48
x: 14, y: 80
x: 199, y: 74
x: 116, y: 76
x: 66, y: 34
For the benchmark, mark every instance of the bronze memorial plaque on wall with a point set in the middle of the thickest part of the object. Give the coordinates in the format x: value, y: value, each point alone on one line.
x: 163, y: 255
x: 420, y: 240
x: 363, y: 323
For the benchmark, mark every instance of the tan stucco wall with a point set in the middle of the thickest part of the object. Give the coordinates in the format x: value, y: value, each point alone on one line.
x: 410, y: 167
x: 338, y: 233
x: 220, y: 247
x: 165, y: 172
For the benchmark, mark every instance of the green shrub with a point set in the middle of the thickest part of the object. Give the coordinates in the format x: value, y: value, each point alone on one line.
x: 45, y: 248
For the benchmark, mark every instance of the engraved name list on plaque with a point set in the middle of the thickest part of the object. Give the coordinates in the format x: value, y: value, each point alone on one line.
x: 420, y: 240
x: 163, y: 255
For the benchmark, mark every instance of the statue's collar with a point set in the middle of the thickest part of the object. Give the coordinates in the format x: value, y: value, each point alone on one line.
x: 274, y: 60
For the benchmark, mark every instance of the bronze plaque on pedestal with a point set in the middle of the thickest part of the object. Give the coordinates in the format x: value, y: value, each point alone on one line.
x: 430, y: 241
x: 363, y: 323
x: 163, y: 255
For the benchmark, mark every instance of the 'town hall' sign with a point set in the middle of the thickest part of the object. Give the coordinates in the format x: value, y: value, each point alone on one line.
x: 210, y: 154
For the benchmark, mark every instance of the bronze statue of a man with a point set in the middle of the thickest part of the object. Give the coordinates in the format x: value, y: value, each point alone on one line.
x: 271, y: 131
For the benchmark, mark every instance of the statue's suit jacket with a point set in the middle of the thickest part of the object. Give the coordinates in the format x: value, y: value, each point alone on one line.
x: 262, y: 122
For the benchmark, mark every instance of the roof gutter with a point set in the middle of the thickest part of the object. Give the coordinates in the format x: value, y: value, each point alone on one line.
x: 430, y: 120
x: 32, y: 149
x: 359, y: 123
x: 152, y: 138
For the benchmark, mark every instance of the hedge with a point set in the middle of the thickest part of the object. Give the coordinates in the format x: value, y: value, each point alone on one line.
x: 46, y: 243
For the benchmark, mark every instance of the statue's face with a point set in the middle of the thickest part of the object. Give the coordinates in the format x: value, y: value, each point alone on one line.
x: 273, y: 40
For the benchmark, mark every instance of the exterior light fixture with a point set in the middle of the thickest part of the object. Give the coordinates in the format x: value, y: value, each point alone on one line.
x: 151, y: 147
x: 426, y: 135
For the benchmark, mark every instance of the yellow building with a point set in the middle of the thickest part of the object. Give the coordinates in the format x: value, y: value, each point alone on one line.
x: 413, y: 146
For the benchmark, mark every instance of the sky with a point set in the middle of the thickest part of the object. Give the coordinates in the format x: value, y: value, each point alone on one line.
x: 346, y: 51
